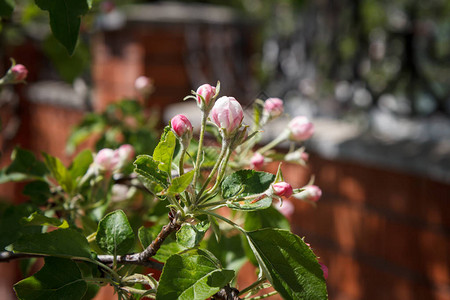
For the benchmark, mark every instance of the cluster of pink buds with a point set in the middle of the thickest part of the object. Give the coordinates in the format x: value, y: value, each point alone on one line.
x: 182, y: 128
x: 109, y: 161
x: 227, y: 114
x: 300, y: 129
x: 311, y: 193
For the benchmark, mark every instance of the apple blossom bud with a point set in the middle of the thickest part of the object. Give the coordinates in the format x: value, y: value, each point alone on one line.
x: 19, y: 72
x: 324, y: 270
x: 286, y: 208
x: 126, y: 153
x: 107, y: 160
x: 310, y: 193
x: 227, y: 114
x: 273, y: 107
x: 107, y: 6
x: 282, y: 189
x: 207, y: 92
x: 143, y: 85
x: 300, y: 128
x: 257, y: 161
x: 181, y: 126
x: 304, y: 156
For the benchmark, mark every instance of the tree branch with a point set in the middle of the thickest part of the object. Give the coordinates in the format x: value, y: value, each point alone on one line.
x: 226, y: 293
x: 141, y: 258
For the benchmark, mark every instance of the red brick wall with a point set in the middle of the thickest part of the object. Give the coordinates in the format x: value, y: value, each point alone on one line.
x: 383, y: 234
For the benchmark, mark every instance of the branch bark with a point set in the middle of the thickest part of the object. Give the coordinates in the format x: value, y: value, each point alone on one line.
x: 226, y: 293
x: 141, y: 258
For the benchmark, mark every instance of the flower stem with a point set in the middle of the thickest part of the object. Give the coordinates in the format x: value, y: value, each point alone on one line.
x: 281, y: 138
x: 225, y: 144
x: 222, y: 169
x: 223, y: 219
x: 200, y: 148
x: 253, y: 286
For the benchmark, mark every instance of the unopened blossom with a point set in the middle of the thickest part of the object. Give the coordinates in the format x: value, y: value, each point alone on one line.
x: 143, y: 85
x: 227, y: 114
x: 257, y: 161
x: 286, y: 208
x: 304, y: 156
x: 324, y: 270
x: 107, y: 160
x: 300, y: 128
x: 310, y: 193
x: 282, y: 189
x: 19, y: 72
x: 126, y: 153
x: 181, y: 126
x: 207, y: 92
x: 273, y: 107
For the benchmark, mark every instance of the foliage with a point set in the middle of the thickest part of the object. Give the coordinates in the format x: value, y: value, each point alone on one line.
x: 107, y: 217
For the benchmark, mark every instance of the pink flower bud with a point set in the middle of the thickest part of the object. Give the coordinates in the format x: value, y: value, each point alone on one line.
x: 324, y: 270
x: 286, y: 208
x: 143, y: 85
x: 227, y: 114
x: 107, y: 160
x: 273, y: 107
x: 107, y: 6
x: 126, y: 153
x: 181, y: 126
x: 207, y: 92
x: 19, y: 72
x: 282, y: 189
x: 304, y: 156
x: 257, y: 161
x: 300, y: 128
x: 310, y: 193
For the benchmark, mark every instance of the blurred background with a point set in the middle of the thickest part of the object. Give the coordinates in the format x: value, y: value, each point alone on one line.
x: 373, y: 75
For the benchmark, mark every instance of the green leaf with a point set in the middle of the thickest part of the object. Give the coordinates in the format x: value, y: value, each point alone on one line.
x: 167, y: 249
x: 25, y: 162
x: 61, y: 242
x: 267, y: 218
x: 288, y: 263
x: 11, y: 229
x: 147, y: 168
x: 58, y: 279
x: 164, y: 151
x: 229, y: 251
x: 215, y: 227
x: 38, y: 191
x: 244, y: 183
x: 6, y: 8
x: 59, y: 172
x: 191, y: 275
x: 179, y: 184
x: 13, y: 177
x: 68, y: 66
x: 65, y: 19
x: 81, y: 164
x: 190, y: 235
x: 37, y: 218
x: 114, y: 234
